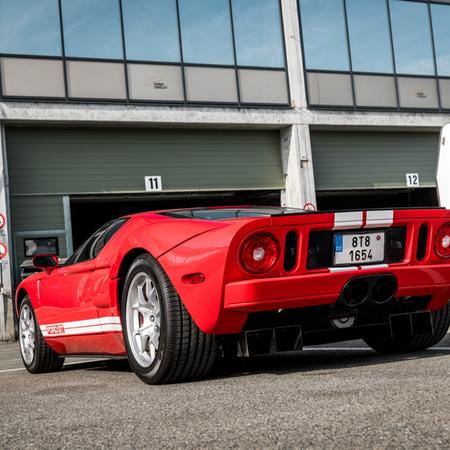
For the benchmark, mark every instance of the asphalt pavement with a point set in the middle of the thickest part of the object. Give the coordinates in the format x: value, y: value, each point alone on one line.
x: 335, y: 396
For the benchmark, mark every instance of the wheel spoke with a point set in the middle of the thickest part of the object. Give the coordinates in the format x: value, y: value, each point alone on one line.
x: 152, y: 351
x: 144, y: 341
x: 144, y: 309
x: 141, y: 297
x: 147, y: 330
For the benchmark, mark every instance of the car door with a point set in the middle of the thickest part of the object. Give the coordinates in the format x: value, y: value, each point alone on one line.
x: 70, y: 296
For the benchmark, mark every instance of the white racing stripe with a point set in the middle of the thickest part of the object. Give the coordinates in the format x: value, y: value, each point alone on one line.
x: 342, y: 269
x: 79, y: 327
x: 348, y: 220
x: 379, y: 219
x: 375, y: 266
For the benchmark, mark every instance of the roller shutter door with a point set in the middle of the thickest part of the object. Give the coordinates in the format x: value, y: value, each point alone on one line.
x: 373, y: 160
x: 47, y: 163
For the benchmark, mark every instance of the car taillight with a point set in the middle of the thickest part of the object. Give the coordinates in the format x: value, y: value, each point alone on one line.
x: 259, y: 253
x: 442, y: 241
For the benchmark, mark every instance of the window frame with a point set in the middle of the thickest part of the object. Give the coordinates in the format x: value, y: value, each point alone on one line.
x: 88, y: 246
x: 395, y: 75
x: 125, y: 61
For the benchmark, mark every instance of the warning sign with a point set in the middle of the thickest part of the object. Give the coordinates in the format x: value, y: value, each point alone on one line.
x: 309, y: 207
x: 3, y: 250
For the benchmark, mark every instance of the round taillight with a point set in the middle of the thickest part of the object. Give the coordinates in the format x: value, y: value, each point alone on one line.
x: 259, y: 253
x: 442, y: 241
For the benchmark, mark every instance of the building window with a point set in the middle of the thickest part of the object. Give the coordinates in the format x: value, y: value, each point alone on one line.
x: 370, y: 51
x: 412, y: 38
x: 30, y: 27
x: 258, y: 33
x: 92, y: 29
x: 151, y: 30
x: 206, y: 32
x: 441, y: 29
x: 324, y: 35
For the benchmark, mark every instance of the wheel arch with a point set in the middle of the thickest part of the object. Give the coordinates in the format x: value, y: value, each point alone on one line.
x: 20, y: 296
x: 124, y: 266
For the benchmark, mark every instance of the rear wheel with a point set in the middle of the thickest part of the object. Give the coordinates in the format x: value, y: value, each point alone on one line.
x: 37, y: 356
x: 416, y: 342
x: 164, y: 344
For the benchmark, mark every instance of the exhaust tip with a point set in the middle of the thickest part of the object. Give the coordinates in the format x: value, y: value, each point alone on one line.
x: 355, y: 292
x: 384, y: 290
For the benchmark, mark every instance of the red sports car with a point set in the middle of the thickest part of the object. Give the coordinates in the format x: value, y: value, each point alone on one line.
x: 172, y: 289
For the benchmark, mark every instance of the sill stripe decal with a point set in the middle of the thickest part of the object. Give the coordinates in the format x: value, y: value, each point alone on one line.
x: 89, y: 326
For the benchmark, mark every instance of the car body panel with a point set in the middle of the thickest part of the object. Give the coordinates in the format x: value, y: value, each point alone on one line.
x: 78, y: 307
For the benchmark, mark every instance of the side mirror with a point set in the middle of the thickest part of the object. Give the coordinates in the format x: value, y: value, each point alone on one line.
x: 46, y: 262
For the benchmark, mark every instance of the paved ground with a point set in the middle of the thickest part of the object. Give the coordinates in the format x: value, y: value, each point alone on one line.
x: 323, y: 398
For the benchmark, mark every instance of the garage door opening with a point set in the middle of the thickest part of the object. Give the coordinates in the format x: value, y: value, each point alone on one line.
x: 88, y: 213
x: 380, y: 198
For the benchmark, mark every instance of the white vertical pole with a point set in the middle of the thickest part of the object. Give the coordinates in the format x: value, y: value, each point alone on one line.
x: 6, y: 311
x: 68, y: 225
x: 297, y: 167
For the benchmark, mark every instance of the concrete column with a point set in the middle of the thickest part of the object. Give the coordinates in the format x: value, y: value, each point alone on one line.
x: 6, y: 311
x: 297, y: 167
x: 294, y: 53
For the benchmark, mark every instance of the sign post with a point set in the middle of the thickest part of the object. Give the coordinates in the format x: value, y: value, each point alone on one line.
x: 6, y: 304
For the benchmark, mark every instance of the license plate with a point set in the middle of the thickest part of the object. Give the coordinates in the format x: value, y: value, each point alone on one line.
x: 358, y: 248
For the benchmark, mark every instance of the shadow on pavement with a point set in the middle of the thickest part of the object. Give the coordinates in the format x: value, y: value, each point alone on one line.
x: 303, y: 362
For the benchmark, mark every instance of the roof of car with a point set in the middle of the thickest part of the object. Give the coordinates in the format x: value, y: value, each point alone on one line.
x: 227, y: 213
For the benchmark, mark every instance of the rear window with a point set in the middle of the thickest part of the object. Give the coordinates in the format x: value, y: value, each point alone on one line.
x: 230, y: 213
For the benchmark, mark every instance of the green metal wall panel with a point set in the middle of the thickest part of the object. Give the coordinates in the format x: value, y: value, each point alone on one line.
x: 31, y: 215
x: 37, y: 213
x: 366, y: 160
x: 92, y: 160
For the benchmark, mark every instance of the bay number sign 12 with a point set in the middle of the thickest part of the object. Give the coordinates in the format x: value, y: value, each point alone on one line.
x: 412, y: 180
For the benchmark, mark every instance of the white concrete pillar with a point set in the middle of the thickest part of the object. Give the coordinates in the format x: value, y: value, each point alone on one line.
x: 298, y: 167
x: 294, y: 53
x: 6, y: 311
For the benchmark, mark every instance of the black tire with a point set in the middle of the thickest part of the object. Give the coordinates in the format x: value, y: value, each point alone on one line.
x: 184, y: 352
x: 44, y: 359
x: 417, y: 342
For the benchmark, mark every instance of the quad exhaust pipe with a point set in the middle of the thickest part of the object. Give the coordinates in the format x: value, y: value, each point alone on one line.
x: 378, y: 289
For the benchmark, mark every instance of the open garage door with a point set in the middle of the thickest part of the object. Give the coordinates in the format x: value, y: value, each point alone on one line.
x: 53, y: 171
x: 375, y: 165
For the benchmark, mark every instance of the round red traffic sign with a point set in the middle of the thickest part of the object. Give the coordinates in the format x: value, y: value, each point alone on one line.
x: 309, y: 207
x: 2, y: 221
x: 3, y: 250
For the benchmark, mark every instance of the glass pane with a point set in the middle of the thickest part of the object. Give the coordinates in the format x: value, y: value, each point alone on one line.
x: 92, y: 28
x: 151, y: 30
x: 30, y: 27
x: 441, y: 29
x: 258, y: 33
x: 324, y: 36
x: 206, y: 31
x: 412, y: 38
x: 371, y: 52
